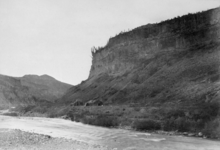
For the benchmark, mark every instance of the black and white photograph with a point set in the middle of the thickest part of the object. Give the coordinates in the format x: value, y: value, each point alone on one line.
x: 109, y: 74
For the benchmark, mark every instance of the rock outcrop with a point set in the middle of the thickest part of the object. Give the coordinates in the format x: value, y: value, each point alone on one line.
x: 30, y: 89
x: 175, y: 62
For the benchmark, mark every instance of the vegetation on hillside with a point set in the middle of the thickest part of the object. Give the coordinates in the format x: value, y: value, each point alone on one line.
x: 156, y: 77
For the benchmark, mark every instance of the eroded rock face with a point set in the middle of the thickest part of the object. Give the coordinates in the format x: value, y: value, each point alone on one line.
x: 131, y: 49
x: 175, y: 61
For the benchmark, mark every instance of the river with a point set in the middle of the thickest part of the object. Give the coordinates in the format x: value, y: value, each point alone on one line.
x: 117, y: 139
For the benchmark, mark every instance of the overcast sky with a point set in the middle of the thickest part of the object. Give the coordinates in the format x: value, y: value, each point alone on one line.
x: 55, y: 37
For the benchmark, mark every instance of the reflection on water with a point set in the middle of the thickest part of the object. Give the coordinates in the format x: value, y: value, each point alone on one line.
x: 117, y: 139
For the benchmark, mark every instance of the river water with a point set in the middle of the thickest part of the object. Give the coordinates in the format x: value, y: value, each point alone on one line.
x: 117, y: 139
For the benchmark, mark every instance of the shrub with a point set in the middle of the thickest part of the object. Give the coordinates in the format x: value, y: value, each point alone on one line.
x: 11, y: 114
x: 40, y: 109
x: 175, y: 113
x: 192, y: 118
x: 106, y: 121
x: 168, y: 124
x: 212, y: 129
x: 57, y: 112
x: 206, y: 111
x: 24, y: 109
x: 52, y: 114
x: 86, y: 119
x: 146, y: 125
x: 182, y: 124
x: 28, y: 108
x: 4, y: 107
x: 101, y: 120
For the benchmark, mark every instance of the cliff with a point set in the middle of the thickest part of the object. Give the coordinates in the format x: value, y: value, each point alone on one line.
x: 129, y: 50
x: 175, y: 62
x: 29, y: 90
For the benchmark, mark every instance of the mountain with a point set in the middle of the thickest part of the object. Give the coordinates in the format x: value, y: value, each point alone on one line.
x: 162, y: 76
x: 30, y: 89
x: 157, y: 76
x: 175, y: 62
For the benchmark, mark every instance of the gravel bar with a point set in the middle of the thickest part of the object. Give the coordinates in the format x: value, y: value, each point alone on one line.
x: 13, y: 139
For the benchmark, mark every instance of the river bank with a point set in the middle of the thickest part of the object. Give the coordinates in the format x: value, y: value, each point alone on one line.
x: 102, y: 138
x: 14, y: 139
x: 110, y: 123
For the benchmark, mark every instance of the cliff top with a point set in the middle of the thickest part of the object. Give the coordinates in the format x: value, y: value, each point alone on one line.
x: 175, y: 25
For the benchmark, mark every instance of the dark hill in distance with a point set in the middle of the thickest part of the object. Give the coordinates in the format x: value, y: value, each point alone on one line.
x: 30, y: 89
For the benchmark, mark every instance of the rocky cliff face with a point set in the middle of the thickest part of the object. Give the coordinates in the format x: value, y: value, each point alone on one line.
x: 30, y: 89
x: 127, y: 50
x: 173, y: 62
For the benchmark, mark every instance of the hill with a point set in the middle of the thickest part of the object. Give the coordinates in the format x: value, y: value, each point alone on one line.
x: 30, y: 89
x: 175, y: 61
x: 164, y: 74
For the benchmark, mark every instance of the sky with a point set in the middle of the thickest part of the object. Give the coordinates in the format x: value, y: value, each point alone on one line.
x: 55, y: 37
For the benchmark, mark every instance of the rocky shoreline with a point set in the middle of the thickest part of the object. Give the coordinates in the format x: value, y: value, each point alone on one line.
x: 174, y: 133
x: 14, y: 139
x: 189, y: 134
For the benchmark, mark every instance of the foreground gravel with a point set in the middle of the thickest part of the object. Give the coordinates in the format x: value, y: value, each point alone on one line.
x: 20, y: 140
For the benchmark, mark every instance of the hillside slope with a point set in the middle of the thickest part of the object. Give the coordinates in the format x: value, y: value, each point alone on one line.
x: 30, y: 89
x: 175, y: 62
x: 158, y: 76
